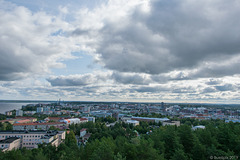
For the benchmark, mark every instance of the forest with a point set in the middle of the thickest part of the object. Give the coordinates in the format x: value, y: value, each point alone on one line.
x: 146, y: 141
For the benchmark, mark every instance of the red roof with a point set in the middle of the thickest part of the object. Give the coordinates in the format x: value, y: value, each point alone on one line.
x: 35, y: 124
x: 83, y: 119
x: 6, y: 120
x: 24, y: 121
x: 84, y: 129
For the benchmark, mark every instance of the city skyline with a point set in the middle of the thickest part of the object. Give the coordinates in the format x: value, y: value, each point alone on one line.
x: 116, y: 50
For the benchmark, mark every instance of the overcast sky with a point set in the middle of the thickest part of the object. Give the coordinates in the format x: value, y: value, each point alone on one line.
x: 120, y: 50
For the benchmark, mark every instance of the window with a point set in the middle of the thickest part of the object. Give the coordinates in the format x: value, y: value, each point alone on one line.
x: 23, y: 143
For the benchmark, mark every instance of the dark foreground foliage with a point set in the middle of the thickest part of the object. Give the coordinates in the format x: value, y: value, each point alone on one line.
x: 120, y: 142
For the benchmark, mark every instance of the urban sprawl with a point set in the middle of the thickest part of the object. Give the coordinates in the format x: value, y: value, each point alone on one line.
x: 36, y: 124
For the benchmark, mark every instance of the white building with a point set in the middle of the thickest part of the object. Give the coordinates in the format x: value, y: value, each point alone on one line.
x: 71, y: 121
x: 19, y: 112
x: 9, y: 144
x: 86, y: 109
x: 31, y: 139
x: 90, y: 119
x: 171, y: 123
x: 198, y: 127
x: 133, y: 122
x: 39, y: 109
x: 83, y: 132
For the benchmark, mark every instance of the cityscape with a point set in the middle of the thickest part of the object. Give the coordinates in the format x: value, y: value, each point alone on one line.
x: 48, y: 123
x: 119, y: 80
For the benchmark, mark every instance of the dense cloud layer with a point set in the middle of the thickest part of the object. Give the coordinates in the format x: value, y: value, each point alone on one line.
x: 174, y: 35
x: 77, y: 80
x: 150, y: 50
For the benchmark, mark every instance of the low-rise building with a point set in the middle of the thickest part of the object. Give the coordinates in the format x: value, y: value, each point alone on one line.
x: 171, y: 123
x: 83, y: 120
x: 133, y: 122
x: 71, y: 121
x: 31, y: 139
x: 83, y: 132
x: 90, y: 119
x: 33, y: 126
x: 8, y: 113
x: 19, y: 112
x: 198, y: 127
x: 53, y: 119
x: 9, y: 144
x: 147, y: 119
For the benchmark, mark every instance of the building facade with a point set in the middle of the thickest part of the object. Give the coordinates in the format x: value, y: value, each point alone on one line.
x: 9, y: 144
x: 31, y: 139
x: 33, y: 126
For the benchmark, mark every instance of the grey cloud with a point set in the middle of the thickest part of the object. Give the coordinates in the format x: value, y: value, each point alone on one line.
x: 184, y: 90
x: 226, y: 87
x: 209, y: 90
x: 130, y: 78
x: 151, y: 89
x: 213, y: 82
x: 218, y: 69
x: 76, y: 80
x: 65, y: 81
x: 79, y: 32
x: 175, y: 35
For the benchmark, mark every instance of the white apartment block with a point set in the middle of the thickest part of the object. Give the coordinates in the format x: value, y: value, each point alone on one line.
x: 31, y: 139
x: 10, y: 144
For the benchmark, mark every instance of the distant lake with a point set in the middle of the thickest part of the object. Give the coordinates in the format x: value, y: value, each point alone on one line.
x: 4, y: 106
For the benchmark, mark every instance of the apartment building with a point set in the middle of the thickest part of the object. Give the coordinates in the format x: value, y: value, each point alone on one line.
x: 31, y: 139
x: 10, y: 144
x: 32, y: 126
x: 171, y: 123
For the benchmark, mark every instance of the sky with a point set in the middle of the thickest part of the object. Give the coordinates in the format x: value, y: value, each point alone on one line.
x: 184, y: 51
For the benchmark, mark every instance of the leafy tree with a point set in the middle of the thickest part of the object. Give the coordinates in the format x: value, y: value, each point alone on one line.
x: 198, y: 151
x: 186, y: 137
x: 71, y: 139
x: 105, y: 150
x: 179, y: 155
x: 119, y: 157
x: 171, y: 141
x: 146, y: 151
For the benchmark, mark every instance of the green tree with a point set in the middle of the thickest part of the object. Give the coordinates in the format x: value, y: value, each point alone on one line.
x: 105, y: 150
x: 119, y: 157
x: 179, y: 155
x: 186, y: 137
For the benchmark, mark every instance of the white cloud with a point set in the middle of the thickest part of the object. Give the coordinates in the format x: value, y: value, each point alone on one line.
x: 150, y: 50
x: 28, y: 44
